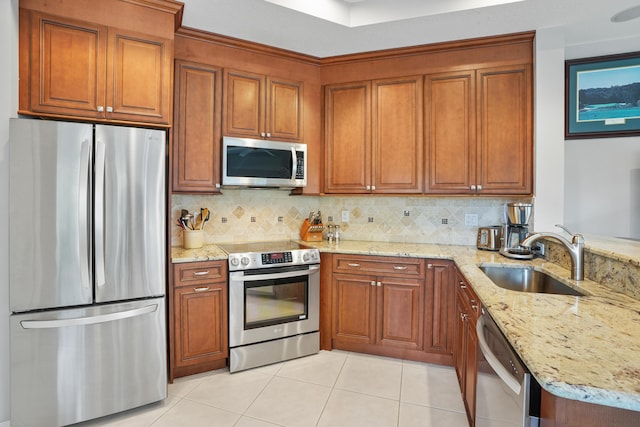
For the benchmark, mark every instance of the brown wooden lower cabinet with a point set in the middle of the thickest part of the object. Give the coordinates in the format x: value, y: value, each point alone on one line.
x: 198, y: 318
x: 465, y: 354
x: 559, y: 412
x: 389, y: 306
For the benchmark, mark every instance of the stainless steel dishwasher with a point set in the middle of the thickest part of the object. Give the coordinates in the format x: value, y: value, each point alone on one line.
x: 505, y: 390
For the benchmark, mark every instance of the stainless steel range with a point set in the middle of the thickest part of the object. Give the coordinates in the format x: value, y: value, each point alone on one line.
x: 274, y: 302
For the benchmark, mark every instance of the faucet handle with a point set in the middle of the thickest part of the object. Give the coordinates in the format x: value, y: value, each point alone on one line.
x: 577, y: 238
x: 564, y: 228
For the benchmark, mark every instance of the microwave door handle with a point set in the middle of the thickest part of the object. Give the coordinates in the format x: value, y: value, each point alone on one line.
x: 493, y: 361
x: 294, y: 159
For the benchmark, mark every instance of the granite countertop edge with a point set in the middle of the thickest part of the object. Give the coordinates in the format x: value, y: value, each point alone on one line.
x: 580, y: 348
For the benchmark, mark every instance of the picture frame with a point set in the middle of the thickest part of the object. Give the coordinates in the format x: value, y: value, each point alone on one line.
x: 602, y: 96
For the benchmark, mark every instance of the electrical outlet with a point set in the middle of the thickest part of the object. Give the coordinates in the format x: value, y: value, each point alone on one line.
x: 407, y: 213
x: 470, y: 219
x: 345, y: 216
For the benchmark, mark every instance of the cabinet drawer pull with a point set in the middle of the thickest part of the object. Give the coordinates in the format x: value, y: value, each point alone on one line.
x: 201, y: 273
x: 203, y: 289
x: 353, y: 264
x: 400, y: 267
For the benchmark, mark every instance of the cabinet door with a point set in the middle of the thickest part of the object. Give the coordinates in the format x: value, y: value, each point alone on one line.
x: 440, y: 307
x: 67, y: 60
x: 460, y: 344
x: 471, y: 371
x: 400, y: 312
x: 196, y: 131
x: 244, y: 103
x: 284, y: 110
x: 354, y: 308
x: 450, y: 132
x: 505, y: 130
x: 138, y: 77
x: 200, y: 315
x: 348, y: 138
x: 397, y: 135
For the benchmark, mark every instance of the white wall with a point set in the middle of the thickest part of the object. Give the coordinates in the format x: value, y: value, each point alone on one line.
x: 8, y: 107
x: 602, y: 176
x: 549, y: 128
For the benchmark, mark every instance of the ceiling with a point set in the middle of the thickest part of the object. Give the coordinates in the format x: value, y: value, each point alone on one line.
x: 352, y: 26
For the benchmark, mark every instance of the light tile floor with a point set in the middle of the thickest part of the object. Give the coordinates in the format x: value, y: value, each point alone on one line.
x: 330, y: 389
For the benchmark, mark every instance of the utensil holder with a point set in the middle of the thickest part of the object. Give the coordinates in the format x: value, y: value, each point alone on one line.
x: 192, y: 239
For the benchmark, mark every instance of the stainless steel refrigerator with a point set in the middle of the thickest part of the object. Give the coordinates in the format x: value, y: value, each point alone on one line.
x: 87, y: 270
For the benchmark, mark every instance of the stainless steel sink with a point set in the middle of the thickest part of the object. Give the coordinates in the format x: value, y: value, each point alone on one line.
x: 525, y: 279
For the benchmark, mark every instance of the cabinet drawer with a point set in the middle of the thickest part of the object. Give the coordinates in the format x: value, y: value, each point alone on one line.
x: 469, y: 296
x: 199, y: 272
x: 389, y: 266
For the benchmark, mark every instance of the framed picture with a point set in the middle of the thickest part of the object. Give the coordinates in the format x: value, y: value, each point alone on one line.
x: 602, y: 96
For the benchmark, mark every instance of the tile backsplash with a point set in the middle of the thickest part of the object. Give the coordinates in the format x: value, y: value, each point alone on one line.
x: 261, y: 215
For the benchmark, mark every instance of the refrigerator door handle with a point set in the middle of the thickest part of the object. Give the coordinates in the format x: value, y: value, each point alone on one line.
x: 99, y: 213
x: 83, y: 214
x: 91, y: 320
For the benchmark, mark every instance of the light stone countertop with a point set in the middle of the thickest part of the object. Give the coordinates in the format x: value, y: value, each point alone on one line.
x: 581, y: 348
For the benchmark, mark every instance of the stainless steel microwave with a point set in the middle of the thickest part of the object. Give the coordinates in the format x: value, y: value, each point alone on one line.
x: 263, y: 163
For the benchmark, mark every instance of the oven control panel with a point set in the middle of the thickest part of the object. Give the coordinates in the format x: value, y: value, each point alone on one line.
x: 276, y: 258
x: 253, y: 260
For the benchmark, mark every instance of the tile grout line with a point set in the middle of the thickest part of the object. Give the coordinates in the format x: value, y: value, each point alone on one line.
x: 333, y: 387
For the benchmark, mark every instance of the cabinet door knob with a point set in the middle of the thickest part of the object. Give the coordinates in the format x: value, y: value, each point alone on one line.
x: 368, y: 187
x: 373, y: 188
x: 262, y: 134
x: 379, y: 283
x: 109, y: 109
x: 268, y: 135
x: 429, y: 266
x: 473, y: 187
x: 203, y: 289
x: 100, y: 108
x: 373, y: 283
x: 479, y: 187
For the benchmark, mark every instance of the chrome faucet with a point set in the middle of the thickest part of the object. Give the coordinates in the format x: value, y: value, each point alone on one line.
x: 575, y: 248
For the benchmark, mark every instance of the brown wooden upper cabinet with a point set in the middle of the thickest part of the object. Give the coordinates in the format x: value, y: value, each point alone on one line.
x: 84, y: 70
x: 263, y: 107
x: 373, y: 136
x: 196, y: 130
x: 479, y: 134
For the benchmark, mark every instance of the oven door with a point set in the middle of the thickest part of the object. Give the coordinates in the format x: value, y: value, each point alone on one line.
x: 271, y: 303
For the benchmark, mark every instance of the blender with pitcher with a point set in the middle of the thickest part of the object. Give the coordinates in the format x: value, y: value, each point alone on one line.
x: 516, y: 229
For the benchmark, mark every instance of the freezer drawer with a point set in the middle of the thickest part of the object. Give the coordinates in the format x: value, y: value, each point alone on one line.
x: 77, y: 364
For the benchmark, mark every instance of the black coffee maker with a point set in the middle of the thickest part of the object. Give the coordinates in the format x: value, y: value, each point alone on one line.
x: 515, y: 230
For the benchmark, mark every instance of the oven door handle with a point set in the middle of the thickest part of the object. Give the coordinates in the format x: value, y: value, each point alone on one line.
x: 502, y: 372
x: 313, y: 269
